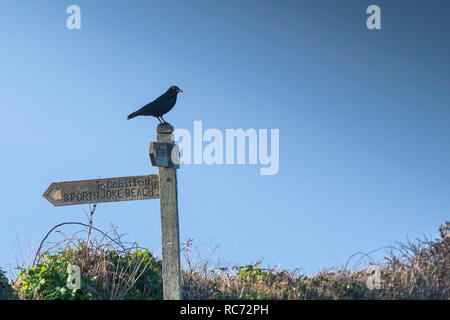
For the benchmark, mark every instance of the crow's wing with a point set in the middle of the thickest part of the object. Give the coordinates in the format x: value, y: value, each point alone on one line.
x: 154, y: 106
x: 158, y: 107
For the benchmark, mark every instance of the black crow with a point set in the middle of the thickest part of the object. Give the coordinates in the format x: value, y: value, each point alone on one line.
x: 160, y: 106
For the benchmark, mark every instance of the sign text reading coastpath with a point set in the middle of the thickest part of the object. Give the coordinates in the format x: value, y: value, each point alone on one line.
x: 103, y: 190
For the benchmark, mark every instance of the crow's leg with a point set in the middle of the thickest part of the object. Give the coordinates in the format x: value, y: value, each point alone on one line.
x: 159, y: 119
x: 164, y: 120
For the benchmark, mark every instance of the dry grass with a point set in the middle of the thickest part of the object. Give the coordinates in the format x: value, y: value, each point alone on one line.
x: 111, y: 269
x: 413, y: 271
x: 119, y: 270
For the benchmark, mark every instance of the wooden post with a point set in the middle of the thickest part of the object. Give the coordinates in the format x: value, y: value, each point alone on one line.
x: 170, y: 232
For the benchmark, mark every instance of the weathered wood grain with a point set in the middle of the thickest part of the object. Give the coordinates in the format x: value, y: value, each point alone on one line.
x: 171, y: 269
x: 103, y: 190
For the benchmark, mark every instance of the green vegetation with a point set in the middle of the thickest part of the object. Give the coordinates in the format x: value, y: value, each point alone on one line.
x: 104, y: 275
x: 417, y: 270
x: 109, y: 270
x: 48, y: 281
x: 6, y: 291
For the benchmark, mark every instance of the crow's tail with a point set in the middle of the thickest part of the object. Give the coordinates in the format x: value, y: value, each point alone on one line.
x: 132, y: 115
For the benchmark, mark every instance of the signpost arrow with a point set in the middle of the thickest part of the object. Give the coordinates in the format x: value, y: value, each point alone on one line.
x: 103, y: 190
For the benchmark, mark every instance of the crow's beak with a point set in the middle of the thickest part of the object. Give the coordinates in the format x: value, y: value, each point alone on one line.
x: 180, y: 91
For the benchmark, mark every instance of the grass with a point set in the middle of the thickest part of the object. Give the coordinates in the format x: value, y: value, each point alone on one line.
x: 113, y: 270
x: 418, y: 270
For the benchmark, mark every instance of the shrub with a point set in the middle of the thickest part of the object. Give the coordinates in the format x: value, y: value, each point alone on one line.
x: 109, y: 269
x: 6, y: 291
x: 48, y: 281
x: 104, y: 275
x: 417, y: 270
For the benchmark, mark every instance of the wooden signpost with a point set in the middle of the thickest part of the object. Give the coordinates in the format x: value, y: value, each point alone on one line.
x: 170, y: 231
x: 163, y: 154
x: 103, y: 190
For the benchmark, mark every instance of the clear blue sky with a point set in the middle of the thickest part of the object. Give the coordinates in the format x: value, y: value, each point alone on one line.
x: 363, y: 118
